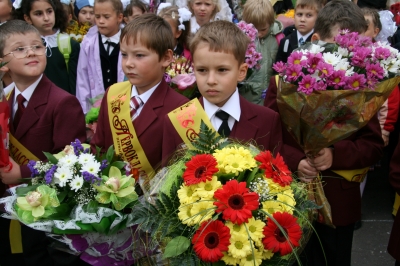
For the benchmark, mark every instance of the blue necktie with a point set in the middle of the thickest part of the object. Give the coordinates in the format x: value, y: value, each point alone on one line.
x: 301, y: 41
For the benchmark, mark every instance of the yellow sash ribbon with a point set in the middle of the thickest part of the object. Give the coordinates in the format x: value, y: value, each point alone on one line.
x: 396, y: 205
x: 186, y: 120
x: 126, y: 142
x: 356, y: 175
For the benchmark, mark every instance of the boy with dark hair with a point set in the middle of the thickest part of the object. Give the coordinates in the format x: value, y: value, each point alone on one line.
x: 229, y: 113
x: 132, y: 113
x: 306, y: 12
x: 40, y: 121
x: 362, y: 149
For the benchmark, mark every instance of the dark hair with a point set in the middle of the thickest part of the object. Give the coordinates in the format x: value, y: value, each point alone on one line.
x: 135, y: 3
x: 14, y: 27
x: 70, y: 10
x: 317, y: 5
x: 150, y: 30
x: 376, y: 19
x: 61, y: 20
x: 222, y: 36
x: 342, y: 13
x: 117, y: 5
x: 172, y: 13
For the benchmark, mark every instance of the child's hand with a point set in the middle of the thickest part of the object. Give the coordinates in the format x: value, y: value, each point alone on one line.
x: 13, y: 176
x: 306, y: 172
x: 323, y: 160
x: 385, y: 139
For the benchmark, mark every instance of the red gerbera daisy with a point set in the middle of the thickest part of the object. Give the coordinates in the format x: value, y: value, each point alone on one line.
x: 275, y: 240
x: 200, y: 169
x: 210, y: 240
x: 275, y: 168
x: 236, y: 202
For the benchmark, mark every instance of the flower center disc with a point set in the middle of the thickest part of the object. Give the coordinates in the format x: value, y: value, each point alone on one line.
x: 279, y: 235
x: 236, y: 202
x: 200, y: 172
x: 211, y: 240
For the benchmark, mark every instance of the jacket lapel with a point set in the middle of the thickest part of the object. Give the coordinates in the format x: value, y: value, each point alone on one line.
x: 30, y: 117
x: 148, y: 115
x: 245, y: 129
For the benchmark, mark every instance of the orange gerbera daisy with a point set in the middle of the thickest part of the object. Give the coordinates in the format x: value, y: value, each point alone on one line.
x: 200, y: 169
x: 210, y: 240
x: 275, y: 168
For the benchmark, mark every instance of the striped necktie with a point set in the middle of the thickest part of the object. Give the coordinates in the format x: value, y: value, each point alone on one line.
x: 135, y: 104
x: 301, y: 41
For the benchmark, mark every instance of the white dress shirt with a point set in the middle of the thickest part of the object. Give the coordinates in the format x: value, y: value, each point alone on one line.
x: 304, y: 37
x: 27, y: 93
x: 114, y: 39
x: 144, y: 96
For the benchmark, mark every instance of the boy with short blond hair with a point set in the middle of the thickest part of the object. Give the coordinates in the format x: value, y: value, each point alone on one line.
x: 360, y: 150
x: 132, y: 113
x: 229, y: 113
x: 261, y: 14
x: 306, y: 12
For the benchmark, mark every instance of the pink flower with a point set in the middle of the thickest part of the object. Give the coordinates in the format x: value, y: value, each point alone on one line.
x: 371, y: 82
x: 375, y: 70
x: 356, y: 82
x: 307, y: 85
x: 320, y: 86
x: 312, y: 62
x: 295, y: 58
x: 382, y: 53
x: 250, y: 62
x: 325, y: 69
x: 293, y: 72
x: 257, y: 56
x: 279, y: 67
x: 184, y: 80
x: 337, y: 79
x: 360, y: 55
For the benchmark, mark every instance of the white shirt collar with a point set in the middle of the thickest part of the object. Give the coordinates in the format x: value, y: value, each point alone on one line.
x: 146, y: 95
x: 232, y: 107
x: 51, y: 40
x: 9, y: 88
x: 305, y: 36
x: 114, y: 38
x: 27, y: 93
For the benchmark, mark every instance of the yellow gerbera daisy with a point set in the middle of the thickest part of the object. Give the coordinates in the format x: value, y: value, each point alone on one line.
x: 255, y: 229
x: 187, y: 194
x: 229, y: 260
x: 271, y: 206
x: 205, y: 190
x: 251, y: 260
x: 202, y: 211
x: 287, y: 201
x: 240, y: 246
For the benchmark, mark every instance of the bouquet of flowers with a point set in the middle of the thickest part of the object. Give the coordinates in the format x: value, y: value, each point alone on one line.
x: 179, y: 76
x: 228, y: 203
x: 76, y: 192
x: 329, y: 91
x: 78, y: 31
x: 252, y: 57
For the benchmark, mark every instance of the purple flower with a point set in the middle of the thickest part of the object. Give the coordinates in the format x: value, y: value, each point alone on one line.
x: 77, y: 145
x: 375, y: 70
x: 337, y: 79
x: 307, y: 85
x: 167, y: 78
x: 31, y: 165
x: 279, y: 67
x: 325, y: 69
x: 88, y: 177
x: 48, y: 177
x: 356, y: 82
x: 104, y: 165
x: 382, y: 53
x: 293, y: 72
x: 264, y: 93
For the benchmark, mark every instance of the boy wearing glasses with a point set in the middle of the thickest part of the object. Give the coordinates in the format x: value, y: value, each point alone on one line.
x: 43, y: 117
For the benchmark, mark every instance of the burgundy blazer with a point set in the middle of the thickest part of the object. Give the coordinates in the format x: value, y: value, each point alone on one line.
x: 256, y: 123
x: 394, y: 178
x: 148, y: 125
x: 52, y: 119
x: 362, y: 149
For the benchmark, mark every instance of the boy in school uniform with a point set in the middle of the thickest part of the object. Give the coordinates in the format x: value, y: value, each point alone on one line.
x: 229, y: 113
x: 40, y: 120
x: 132, y: 113
x: 360, y: 150
x: 306, y: 12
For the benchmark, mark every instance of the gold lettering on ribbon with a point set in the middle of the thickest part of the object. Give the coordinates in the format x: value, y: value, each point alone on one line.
x: 17, y: 155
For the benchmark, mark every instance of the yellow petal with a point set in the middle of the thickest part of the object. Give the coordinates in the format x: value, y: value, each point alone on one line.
x: 125, y: 192
x: 114, y: 172
x: 38, y: 211
x: 23, y: 204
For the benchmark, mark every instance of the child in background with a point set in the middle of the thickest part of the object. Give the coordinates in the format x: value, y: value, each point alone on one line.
x: 361, y: 149
x: 99, y: 64
x: 180, y: 30
x: 144, y: 100
x: 261, y: 14
x: 5, y: 10
x: 229, y: 113
x: 84, y: 12
x: 69, y: 10
x: 134, y: 9
x: 40, y: 121
x: 306, y: 12
x: 49, y: 18
x: 373, y: 21
x: 203, y: 12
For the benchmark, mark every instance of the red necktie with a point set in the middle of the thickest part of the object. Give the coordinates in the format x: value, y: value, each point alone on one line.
x: 136, y: 104
x: 20, y: 111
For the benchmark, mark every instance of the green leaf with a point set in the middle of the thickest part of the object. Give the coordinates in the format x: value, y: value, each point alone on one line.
x: 51, y: 157
x: 92, y: 206
x: 61, y: 196
x: 22, y: 191
x: 176, y: 246
x: 120, y: 165
x: 61, y: 212
x: 110, y: 153
x: 252, y: 175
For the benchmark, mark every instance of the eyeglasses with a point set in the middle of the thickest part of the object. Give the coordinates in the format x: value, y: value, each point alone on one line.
x: 22, y: 52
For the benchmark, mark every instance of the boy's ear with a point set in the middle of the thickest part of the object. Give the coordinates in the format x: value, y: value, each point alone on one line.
x: 242, y: 72
x: 28, y: 19
x: 3, y: 68
x: 120, y: 17
x: 126, y: 20
x: 167, y: 58
x: 315, y: 37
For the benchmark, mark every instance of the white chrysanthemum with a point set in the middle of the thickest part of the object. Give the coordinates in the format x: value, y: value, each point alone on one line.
x: 343, y: 64
x: 85, y: 158
x: 343, y: 51
x: 92, y: 167
x: 314, y: 49
x: 76, y: 183
x: 332, y: 58
x: 316, y: 75
x: 68, y: 160
x: 63, y: 175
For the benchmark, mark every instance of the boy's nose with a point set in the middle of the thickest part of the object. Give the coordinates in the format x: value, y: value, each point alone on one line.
x: 211, y: 78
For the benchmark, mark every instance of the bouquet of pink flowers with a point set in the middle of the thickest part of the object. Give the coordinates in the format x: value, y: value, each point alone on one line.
x: 179, y: 76
x: 253, y: 58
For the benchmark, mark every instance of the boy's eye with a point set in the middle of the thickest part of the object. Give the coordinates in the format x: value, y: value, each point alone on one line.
x: 139, y: 55
x: 19, y: 49
x: 201, y: 70
x: 222, y: 69
x: 123, y: 54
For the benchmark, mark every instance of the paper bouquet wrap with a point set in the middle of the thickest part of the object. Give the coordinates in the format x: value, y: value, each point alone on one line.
x: 323, y: 118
